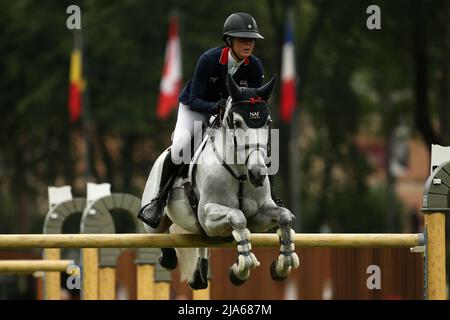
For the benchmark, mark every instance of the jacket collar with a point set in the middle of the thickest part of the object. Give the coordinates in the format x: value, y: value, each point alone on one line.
x: 224, y: 57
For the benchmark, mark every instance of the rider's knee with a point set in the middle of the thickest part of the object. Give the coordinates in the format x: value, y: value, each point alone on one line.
x: 180, y: 153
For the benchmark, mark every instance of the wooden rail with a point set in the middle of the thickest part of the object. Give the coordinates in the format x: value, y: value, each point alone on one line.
x: 30, y: 266
x: 29, y: 241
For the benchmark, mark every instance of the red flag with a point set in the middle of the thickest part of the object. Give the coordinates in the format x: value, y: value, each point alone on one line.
x: 288, y: 90
x: 169, y: 88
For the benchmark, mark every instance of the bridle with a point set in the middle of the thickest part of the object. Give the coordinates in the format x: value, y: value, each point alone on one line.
x: 231, y: 123
x: 266, y: 120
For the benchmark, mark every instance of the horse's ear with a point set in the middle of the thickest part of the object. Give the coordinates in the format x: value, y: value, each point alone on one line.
x: 265, y: 91
x: 233, y: 89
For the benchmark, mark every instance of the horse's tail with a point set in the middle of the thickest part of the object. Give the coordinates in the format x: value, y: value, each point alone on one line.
x: 187, y: 257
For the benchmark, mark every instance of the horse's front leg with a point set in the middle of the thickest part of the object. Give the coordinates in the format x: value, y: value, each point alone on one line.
x: 219, y: 220
x: 270, y: 215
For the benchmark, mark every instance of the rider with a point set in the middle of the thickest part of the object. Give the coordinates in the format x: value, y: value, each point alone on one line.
x: 206, y: 95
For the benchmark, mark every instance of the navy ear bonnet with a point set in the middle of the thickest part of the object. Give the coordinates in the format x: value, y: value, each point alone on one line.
x: 255, y: 112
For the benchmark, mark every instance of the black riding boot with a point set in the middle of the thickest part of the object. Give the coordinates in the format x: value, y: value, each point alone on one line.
x: 275, y: 198
x: 152, y: 212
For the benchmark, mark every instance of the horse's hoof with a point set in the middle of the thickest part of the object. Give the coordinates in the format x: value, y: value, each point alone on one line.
x: 168, y: 258
x: 234, y: 279
x: 274, y: 274
x: 200, y: 280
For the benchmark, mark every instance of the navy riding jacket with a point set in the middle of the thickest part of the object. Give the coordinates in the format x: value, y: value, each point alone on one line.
x: 209, y: 82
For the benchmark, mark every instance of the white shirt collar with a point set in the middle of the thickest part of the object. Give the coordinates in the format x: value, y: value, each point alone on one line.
x: 233, y: 65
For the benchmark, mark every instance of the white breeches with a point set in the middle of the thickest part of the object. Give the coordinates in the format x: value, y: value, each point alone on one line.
x: 189, y: 123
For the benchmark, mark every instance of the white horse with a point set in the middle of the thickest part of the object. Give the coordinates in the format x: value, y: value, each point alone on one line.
x: 234, y: 199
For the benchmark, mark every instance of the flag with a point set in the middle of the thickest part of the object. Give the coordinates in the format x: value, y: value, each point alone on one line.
x: 171, y: 78
x: 288, y: 97
x: 75, y: 103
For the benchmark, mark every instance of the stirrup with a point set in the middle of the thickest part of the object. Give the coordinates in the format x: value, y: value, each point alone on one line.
x: 155, y: 219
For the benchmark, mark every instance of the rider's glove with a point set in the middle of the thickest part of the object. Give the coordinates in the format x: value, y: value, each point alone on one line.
x: 218, y: 106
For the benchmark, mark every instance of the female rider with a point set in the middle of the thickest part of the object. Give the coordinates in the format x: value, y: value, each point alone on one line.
x: 205, y: 95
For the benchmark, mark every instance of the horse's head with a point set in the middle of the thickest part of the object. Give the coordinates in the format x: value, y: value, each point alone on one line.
x: 248, y: 116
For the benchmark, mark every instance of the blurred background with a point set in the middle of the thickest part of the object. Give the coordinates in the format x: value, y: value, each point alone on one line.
x: 354, y: 145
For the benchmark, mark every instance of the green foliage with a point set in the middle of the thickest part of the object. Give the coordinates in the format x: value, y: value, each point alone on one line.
x: 367, y: 212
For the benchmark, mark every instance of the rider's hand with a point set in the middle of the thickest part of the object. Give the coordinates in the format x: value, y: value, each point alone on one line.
x: 218, y: 106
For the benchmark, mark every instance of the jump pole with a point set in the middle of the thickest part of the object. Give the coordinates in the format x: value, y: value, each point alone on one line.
x: 31, y: 266
x: 92, y: 241
x: 52, y: 269
x: 131, y: 240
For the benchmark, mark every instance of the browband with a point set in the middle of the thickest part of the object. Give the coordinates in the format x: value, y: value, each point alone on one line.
x: 254, y: 111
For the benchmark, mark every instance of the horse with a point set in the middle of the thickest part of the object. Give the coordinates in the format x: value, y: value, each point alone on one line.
x: 228, y: 176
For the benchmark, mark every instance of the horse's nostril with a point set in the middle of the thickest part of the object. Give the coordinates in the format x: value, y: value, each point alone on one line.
x: 253, y: 174
x: 256, y: 177
x: 258, y: 170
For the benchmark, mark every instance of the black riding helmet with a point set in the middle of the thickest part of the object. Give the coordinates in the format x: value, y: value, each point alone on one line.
x: 240, y: 25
